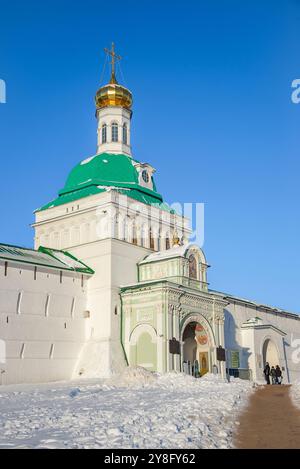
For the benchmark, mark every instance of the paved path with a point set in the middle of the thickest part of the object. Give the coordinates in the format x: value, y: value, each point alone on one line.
x: 270, y: 421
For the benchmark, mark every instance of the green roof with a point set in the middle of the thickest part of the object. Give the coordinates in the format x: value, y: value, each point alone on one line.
x: 100, y: 172
x: 45, y: 257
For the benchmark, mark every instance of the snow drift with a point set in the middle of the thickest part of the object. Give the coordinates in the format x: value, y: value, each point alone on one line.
x: 136, y: 409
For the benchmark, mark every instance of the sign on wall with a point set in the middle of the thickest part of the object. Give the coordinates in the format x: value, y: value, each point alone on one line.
x: 174, y: 346
x: 235, y: 358
x: 221, y: 356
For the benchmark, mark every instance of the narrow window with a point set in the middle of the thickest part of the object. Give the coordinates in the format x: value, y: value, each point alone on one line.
x: 19, y: 303
x: 35, y: 272
x: 5, y: 268
x: 73, y: 308
x: 167, y: 242
x: 192, y: 267
x: 114, y: 132
x: 134, y: 235
x: 151, y: 239
x: 47, y: 306
x: 22, y: 351
x: 60, y: 276
x: 82, y: 281
x: 125, y: 134
x: 104, y: 133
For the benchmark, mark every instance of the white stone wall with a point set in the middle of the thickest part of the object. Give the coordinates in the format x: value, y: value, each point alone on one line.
x: 107, y: 215
x: 114, y: 263
x: 42, y: 322
x: 251, y: 344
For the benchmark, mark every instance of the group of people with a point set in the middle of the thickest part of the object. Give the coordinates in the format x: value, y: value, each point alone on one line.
x: 274, y: 373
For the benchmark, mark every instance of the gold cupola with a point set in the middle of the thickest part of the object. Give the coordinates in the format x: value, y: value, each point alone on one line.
x: 113, y: 94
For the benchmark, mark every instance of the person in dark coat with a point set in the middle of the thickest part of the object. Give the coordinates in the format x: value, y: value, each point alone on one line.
x: 267, y: 373
x: 273, y: 375
x: 278, y: 373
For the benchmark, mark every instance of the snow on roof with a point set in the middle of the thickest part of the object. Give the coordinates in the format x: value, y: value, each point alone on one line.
x: 175, y: 251
x: 44, y: 256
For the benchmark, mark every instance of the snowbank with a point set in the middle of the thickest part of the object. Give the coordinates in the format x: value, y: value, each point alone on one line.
x: 134, y: 376
x: 136, y: 409
x: 295, y: 393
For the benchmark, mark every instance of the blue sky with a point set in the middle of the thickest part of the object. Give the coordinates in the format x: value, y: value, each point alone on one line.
x: 212, y: 85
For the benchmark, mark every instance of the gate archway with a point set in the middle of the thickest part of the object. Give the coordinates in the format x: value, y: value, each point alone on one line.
x: 197, y: 345
x: 270, y: 353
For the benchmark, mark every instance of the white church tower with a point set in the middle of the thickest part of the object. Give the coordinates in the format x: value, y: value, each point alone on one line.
x: 109, y: 215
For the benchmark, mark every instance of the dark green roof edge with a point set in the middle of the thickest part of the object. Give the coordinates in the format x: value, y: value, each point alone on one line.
x: 140, y: 196
x: 85, y: 270
x: 50, y: 252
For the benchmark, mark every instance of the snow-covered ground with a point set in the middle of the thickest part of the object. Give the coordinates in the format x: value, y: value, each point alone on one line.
x: 295, y: 393
x: 134, y: 410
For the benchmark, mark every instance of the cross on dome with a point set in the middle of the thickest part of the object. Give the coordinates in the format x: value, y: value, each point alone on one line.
x: 114, y: 58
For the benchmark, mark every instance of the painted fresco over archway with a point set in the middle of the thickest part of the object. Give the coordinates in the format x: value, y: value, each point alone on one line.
x: 201, y: 335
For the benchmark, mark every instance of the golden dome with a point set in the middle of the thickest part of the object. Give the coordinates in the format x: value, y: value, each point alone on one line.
x: 113, y: 94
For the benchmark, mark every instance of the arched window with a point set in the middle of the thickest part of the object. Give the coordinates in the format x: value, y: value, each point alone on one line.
x: 114, y: 132
x: 193, y: 267
x: 151, y: 239
x: 125, y: 134
x: 134, y: 234
x: 104, y: 133
x: 167, y: 242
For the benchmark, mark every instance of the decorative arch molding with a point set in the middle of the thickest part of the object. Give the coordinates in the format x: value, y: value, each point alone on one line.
x: 197, y: 317
x: 193, y: 249
x: 141, y: 329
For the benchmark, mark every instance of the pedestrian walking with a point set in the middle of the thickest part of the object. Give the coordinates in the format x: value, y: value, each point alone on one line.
x: 267, y: 373
x: 278, y: 375
x: 273, y: 375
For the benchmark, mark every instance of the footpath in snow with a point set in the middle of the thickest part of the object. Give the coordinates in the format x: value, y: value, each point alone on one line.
x: 137, y: 409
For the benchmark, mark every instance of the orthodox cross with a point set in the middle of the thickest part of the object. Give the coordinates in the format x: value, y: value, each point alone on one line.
x: 114, y: 59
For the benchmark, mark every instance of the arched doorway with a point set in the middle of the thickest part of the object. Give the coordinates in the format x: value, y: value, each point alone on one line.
x: 270, y: 353
x: 189, y: 343
x: 196, y: 349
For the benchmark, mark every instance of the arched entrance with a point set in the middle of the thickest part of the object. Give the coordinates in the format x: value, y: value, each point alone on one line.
x: 270, y: 353
x: 196, y: 349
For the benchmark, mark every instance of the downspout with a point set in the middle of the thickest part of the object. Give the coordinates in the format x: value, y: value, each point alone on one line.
x: 121, y: 331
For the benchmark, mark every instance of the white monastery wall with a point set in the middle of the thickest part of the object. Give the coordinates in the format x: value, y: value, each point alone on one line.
x: 42, y: 322
x: 251, y: 345
x: 114, y: 263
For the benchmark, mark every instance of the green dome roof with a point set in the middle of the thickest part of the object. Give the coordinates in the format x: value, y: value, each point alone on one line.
x: 94, y: 175
x: 104, y: 169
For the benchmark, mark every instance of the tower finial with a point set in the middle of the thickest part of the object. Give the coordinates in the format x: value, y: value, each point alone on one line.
x: 114, y: 58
